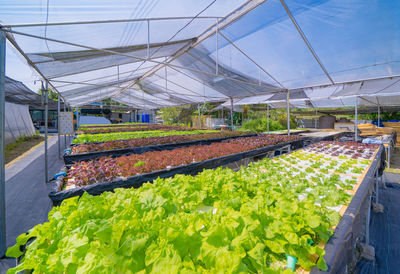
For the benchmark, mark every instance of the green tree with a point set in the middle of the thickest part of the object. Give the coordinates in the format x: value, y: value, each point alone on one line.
x: 257, y: 120
x: 170, y: 115
x: 52, y: 94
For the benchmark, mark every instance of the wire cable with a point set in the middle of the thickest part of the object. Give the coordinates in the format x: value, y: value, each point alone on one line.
x: 173, y: 36
x: 131, y: 26
x: 145, y: 13
x: 45, y: 28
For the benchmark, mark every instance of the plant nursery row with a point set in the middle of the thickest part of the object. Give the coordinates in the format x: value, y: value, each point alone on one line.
x: 106, y: 169
x: 131, y: 128
x: 103, y: 137
x: 148, y: 141
x: 274, y: 216
x: 114, y: 125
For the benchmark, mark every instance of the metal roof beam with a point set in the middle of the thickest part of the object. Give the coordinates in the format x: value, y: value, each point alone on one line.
x: 108, y: 21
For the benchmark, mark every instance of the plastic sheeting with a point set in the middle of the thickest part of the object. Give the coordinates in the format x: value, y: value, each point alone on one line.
x: 382, y: 92
x: 18, y: 122
x: 262, y: 47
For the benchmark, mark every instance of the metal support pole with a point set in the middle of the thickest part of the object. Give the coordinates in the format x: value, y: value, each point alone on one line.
x: 118, y: 75
x: 46, y: 121
x: 379, y: 116
x: 287, y: 113
x: 166, y: 77
x: 356, y: 121
x: 316, y: 117
x: 232, y: 113
x: 377, y: 186
x: 267, y: 118
x: 216, y: 48
x: 58, y: 125
x: 65, y: 136
x: 198, y: 110
x: 77, y: 117
x: 368, y: 217
x: 148, y: 39
x: 3, y: 247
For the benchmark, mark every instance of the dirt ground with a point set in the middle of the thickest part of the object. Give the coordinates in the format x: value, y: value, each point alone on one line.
x: 22, y: 145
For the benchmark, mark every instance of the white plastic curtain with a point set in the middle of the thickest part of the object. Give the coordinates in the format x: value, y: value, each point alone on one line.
x: 18, y: 122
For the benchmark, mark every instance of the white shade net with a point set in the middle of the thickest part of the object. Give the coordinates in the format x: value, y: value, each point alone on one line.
x: 324, y: 52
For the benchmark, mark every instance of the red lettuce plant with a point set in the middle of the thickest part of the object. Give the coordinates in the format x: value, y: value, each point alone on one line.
x: 106, y: 169
x: 139, y: 142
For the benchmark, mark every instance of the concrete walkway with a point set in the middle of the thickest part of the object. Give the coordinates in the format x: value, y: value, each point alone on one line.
x: 27, y: 203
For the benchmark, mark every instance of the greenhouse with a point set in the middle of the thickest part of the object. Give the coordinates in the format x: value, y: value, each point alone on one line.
x: 211, y: 136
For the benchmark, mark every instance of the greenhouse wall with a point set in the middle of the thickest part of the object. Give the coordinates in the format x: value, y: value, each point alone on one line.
x: 18, y: 122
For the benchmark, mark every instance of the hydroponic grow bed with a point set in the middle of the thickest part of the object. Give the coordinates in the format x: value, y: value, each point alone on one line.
x: 106, y: 173
x: 103, y: 137
x: 218, y: 221
x: 131, y: 128
x: 140, y: 145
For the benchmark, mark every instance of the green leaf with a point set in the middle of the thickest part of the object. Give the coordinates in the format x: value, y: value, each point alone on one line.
x: 321, y: 264
x: 257, y: 254
x: 313, y: 221
x: 274, y: 246
x: 14, y: 251
x: 218, y: 237
x: 169, y: 262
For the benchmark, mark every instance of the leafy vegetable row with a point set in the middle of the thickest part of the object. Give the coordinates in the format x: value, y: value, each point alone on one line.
x: 217, y: 221
x: 149, y: 127
x: 106, y: 169
x: 103, y: 137
x: 113, y: 125
x: 139, y: 142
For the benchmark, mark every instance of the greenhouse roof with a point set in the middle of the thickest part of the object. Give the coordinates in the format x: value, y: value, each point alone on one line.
x: 325, y: 52
x: 382, y: 92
